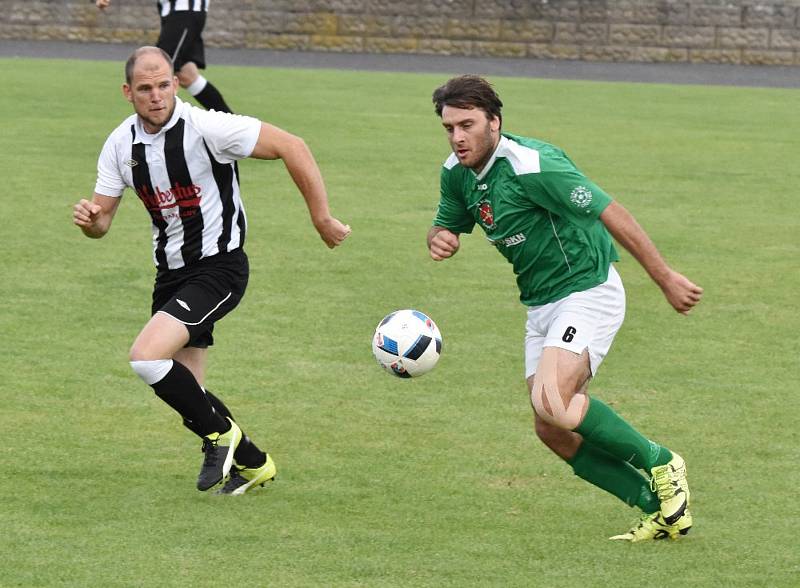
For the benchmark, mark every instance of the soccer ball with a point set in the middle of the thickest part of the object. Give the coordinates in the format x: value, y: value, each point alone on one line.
x: 407, y: 343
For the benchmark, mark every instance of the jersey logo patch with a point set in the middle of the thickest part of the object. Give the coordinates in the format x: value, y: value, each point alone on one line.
x: 581, y: 196
x: 486, y: 215
x: 131, y: 163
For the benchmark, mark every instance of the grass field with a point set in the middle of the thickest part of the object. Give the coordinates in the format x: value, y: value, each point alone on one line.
x: 436, y: 482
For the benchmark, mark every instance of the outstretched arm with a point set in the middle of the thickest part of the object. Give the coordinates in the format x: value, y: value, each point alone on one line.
x: 94, y: 218
x: 442, y: 243
x: 680, y: 292
x: 275, y: 143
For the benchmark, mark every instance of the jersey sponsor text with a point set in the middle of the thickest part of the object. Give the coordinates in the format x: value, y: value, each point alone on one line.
x: 187, y: 198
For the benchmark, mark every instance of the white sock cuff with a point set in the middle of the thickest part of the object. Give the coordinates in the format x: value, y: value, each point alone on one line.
x: 197, y: 86
x: 152, y: 371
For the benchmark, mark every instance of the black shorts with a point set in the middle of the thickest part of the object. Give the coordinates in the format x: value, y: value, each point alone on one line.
x: 202, y: 293
x: 191, y: 47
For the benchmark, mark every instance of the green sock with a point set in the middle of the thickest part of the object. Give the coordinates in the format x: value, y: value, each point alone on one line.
x: 607, y: 430
x: 614, y: 476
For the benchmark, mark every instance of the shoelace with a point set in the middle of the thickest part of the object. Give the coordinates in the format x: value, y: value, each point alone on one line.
x: 234, y: 481
x: 661, y: 483
x: 210, y: 449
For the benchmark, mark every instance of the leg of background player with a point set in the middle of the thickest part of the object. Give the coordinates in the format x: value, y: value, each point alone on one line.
x: 201, y: 89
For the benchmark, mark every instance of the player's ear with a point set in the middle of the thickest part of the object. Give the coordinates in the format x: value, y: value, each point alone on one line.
x: 494, y: 123
x: 126, y: 91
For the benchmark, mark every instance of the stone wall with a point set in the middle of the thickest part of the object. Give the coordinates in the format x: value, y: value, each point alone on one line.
x: 713, y: 31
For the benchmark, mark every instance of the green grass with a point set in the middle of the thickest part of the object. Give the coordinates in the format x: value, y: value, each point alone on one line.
x: 384, y: 482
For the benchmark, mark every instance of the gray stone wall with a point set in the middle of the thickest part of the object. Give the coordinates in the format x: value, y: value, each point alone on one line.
x: 765, y: 32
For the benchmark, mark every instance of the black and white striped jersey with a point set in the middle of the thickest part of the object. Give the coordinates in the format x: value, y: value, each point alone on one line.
x: 187, y: 178
x: 167, y: 7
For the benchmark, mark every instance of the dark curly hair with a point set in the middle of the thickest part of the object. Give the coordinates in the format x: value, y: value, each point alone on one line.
x: 468, y: 91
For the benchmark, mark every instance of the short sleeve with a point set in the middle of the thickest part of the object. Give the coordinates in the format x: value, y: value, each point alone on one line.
x: 452, y: 213
x: 109, y: 179
x: 564, y: 190
x: 230, y: 137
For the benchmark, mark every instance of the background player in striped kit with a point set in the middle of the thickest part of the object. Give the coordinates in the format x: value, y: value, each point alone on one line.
x: 181, y: 36
x: 181, y: 162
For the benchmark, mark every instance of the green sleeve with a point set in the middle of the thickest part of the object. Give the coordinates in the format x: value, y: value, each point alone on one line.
x: 563, y: 190
x: 452, y: 213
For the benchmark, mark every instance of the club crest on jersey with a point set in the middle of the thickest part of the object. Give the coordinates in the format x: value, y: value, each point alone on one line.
x: 486, y: 215
x: 581, y: 196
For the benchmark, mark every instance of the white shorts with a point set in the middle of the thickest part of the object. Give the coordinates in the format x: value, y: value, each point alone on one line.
x: 583, y: 320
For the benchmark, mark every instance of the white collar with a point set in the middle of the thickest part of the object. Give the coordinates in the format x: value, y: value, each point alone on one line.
x: 500, y: 145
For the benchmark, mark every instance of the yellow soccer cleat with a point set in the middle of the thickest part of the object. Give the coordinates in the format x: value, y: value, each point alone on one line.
x: 669, y: 483
x: 650, y: 527
x: 245, y: 479
x: 684, y: 523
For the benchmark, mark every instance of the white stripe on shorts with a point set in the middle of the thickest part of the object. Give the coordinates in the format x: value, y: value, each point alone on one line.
x: 202, y: 319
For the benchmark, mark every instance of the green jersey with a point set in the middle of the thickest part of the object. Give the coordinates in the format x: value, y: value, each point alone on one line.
x: 538, y: 210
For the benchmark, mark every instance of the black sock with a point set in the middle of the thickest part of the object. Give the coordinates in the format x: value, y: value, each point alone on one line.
x: 218, y: 405
x: 180, y: 390
x: 211, y: 99
x: 246, y: 454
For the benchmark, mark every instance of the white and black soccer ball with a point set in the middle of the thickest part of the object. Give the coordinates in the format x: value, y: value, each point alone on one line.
x: 407, y: 343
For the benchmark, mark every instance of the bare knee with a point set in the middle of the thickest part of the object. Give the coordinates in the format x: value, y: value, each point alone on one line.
x: 557, y: 388
x: 161, y: 338
x: 147, y: 362
x: 140, y: 352
x: 557, y: 407
x: 146, y: 348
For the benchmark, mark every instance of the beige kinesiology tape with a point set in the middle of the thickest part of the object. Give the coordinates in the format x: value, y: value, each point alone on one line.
x: 545, y: 386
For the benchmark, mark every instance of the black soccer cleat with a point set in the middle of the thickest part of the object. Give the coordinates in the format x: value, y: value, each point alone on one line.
x: 218, y: 449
